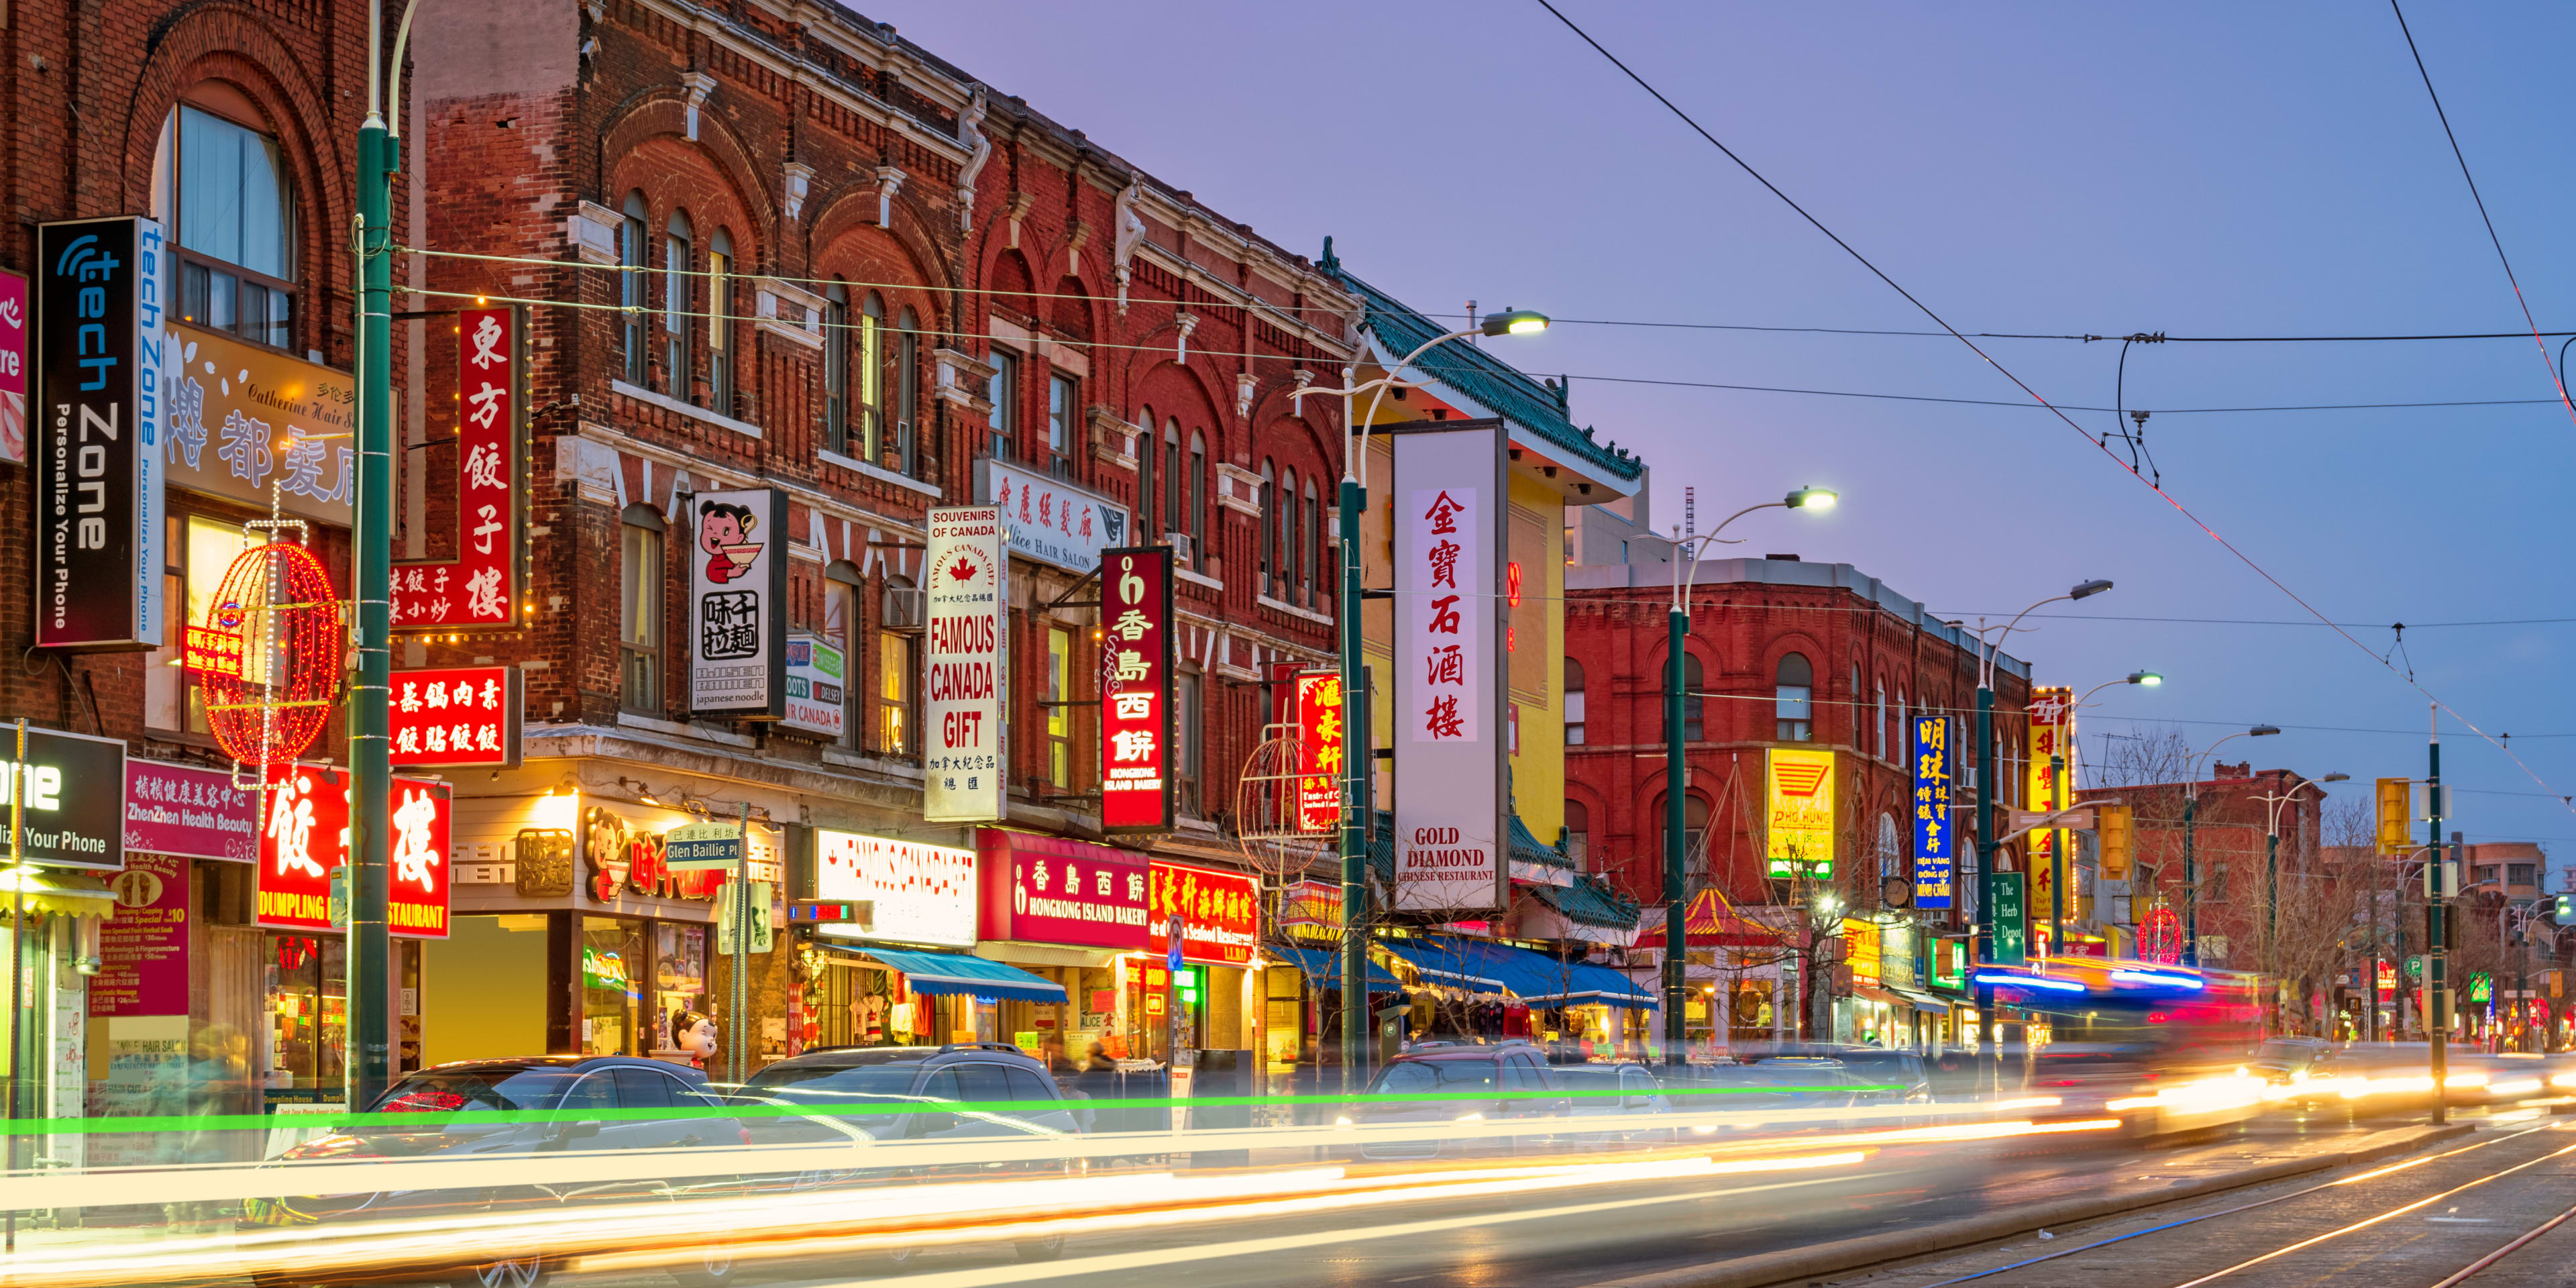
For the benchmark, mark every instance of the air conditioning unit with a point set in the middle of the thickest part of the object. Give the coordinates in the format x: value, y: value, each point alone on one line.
x: 1180, y: 543
x: 904, y: 608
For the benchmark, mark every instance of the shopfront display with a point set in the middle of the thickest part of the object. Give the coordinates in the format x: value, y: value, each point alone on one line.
x: 913, y: 893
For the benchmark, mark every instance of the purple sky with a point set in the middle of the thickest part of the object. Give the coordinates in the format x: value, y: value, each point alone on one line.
x: 2195, y: 170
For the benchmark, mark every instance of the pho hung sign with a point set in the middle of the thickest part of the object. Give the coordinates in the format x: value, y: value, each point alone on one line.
x: 1801, y: 792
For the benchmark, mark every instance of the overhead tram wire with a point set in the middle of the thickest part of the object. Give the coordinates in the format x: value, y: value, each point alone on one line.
x: 1971, y: 345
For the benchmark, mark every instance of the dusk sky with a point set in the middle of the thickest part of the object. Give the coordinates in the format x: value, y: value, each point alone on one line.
x: 2213, y: 170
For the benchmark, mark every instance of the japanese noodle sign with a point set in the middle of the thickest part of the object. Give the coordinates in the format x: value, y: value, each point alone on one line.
x: 738, y: 604
x: 1935, y: 848
x: 1136, y: 690
x: 1449, y: 761
x: 965, y: 666
x: 480, y: 587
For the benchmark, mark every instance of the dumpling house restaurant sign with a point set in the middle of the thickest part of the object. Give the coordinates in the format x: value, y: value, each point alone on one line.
x: 304, y: 835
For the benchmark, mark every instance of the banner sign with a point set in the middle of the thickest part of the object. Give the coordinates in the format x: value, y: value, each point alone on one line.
x: 1800, y: 788
x: 1449, y: 754
x: 1049, y: 520
x: 240, y: 417
x: 1936, y: 851
x: 457, y: 715
x: 1136, y: 677
x: 143, y: 948
x: 918, y: 894
x: 100, y: 291
x: 738, y: 604
x: 966, y: 657
x: 1320, y: 764
x: 2010, y: 941
x: 2052, y: 719
x: 1220, y: 914
x: 1053, y: 890
x: 818, y: 690
x: 1311, y: 908
x: 481, y: 587
x: 75, y: 790
x: 186, y: 811
x: 13, y: 367
x: 305, y: 834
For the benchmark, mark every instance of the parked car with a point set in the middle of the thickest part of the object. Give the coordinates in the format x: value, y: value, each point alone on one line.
x: 907, y: 1094
x: 538, y: 1105
x: 1460, y: 1083
x: 1612, y: 1091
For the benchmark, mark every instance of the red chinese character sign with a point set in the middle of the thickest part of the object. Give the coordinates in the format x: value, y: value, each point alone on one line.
x: 304, y: 834
x: 456, y: 715
x: 1320, y: 763
x: 1220, y: 914
x: 481, y: 585
x: 1136, y: 690
x: 1449, y: 593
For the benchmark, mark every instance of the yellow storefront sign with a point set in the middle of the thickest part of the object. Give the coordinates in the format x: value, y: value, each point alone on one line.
x: 1800, y: 788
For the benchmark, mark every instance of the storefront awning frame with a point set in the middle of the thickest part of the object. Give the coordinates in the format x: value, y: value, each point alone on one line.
x: 962, y: 975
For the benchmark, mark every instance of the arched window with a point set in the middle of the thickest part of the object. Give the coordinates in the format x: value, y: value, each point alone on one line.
x: 1694, y: 831
x: 677, y: 260
x: 1198, y: 501
x: 1691, y: 706
x: 1793, y: 699
x: 223, y: 187
x: 872, y: 382
x: 841, y: 582
x: 1270, y: 517
x: 1891, y: 848
x: 836, y: 368
x: 1573, y: 703
x: 632, y: 238
x: 1578, y: 831
x: 639, y: 609
x: 1881, y: 720
x: 720, y: 323
x: 907, y: 394
x: 1314, y: 547
x: 1004, y: 394
x: 1175, y: 467
x: 1904, y: 728
x: 1146, y: 533
x: 1291, y: 548
x: 898, y: 664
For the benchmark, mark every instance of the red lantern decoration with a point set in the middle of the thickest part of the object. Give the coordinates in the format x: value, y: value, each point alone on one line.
x: 2160, y: 936
x: 268, y: 657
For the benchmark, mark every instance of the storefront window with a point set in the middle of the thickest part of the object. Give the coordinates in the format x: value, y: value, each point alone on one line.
x: 308, y: 1033
x: 612, y: 952
x: 679, y: 976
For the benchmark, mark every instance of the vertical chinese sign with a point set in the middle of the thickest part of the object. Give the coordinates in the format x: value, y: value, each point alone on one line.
x: 1801, y: 795
x: 1136, y: 690
x: 964, y: 667
x: 737, y: 615
x: 305, y: 834
x: 1449, y: 759
x: 481, y: 587
x: 1936, y: 852
x: 1320, y: 736
x: 100, y: 290
x: 2052, y: 719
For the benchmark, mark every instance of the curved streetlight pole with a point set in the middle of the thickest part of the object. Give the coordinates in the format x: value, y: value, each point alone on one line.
x: 1686, y: 551
x: 2272, y: 804
x: 1358, y: 811
x: 2059, y: 767
x: 2190, y: 832
x: 1985, y: 920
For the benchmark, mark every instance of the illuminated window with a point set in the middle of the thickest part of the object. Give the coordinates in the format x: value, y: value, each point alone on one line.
x: 720, y: 323
x: 677, y: 260
x: 1059, y: 718
x: 201, y: 551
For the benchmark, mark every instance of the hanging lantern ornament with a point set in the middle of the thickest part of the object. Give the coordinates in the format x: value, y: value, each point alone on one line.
x: 268, y: 656
x: 2160, y: 938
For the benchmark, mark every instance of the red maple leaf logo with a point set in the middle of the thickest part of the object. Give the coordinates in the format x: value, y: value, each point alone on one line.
x: 962, y: 570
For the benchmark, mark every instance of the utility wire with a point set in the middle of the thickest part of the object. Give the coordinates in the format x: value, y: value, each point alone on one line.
x: 2483, y: 216
x: 2169, y: 498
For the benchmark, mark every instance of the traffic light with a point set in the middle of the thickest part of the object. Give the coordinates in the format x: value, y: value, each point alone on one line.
x: 2396, y: 817
x: 2565, y: 914
x: 2112, y: 824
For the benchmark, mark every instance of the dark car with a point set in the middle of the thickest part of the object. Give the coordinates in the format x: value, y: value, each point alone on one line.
x: 1437, y: 1082
x: 530, y: 1106
x: 1623, y: 1091
x: 960, y: 1092
x: 2288, y: 1065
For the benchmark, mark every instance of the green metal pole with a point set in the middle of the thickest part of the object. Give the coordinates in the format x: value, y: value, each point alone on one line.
x: 1358, y: 765
x: 2190, y: 879
x: 1676, y: 782
x: 2272, y: 925
x: 370, y: 1063
x: 2437, y: 1010
x: 1985, y: 937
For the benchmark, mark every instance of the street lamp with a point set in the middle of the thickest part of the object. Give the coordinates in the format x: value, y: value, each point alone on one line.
x: 1985, y: 923
x: 2190, y: 827
x: 1686, y: 551
x: 1357, y: 809
x: 2058, y: 771
x: 2272, y: 884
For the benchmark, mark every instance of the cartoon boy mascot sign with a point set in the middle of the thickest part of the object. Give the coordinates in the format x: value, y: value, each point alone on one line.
x: 724, y: 532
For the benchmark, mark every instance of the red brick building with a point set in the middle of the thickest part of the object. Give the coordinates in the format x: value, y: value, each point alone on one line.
x: 1793, y: 654
x: 2228, y: 841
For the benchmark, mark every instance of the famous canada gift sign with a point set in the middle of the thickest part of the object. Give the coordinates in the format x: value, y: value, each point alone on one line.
x: 1448, y: 675
x: 963, y: 666
x: 737, y: 619
x: 304, y: 834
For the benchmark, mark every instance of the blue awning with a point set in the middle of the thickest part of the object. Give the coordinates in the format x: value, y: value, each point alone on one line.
x: 1446, y: 962
x: 1325, y: 966
x: 1535, y: 978
x: 957, y: 975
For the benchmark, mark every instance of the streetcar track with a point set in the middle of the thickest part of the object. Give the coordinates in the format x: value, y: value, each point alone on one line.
x: 2371, y: 1175
x: 2480, y: 1266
